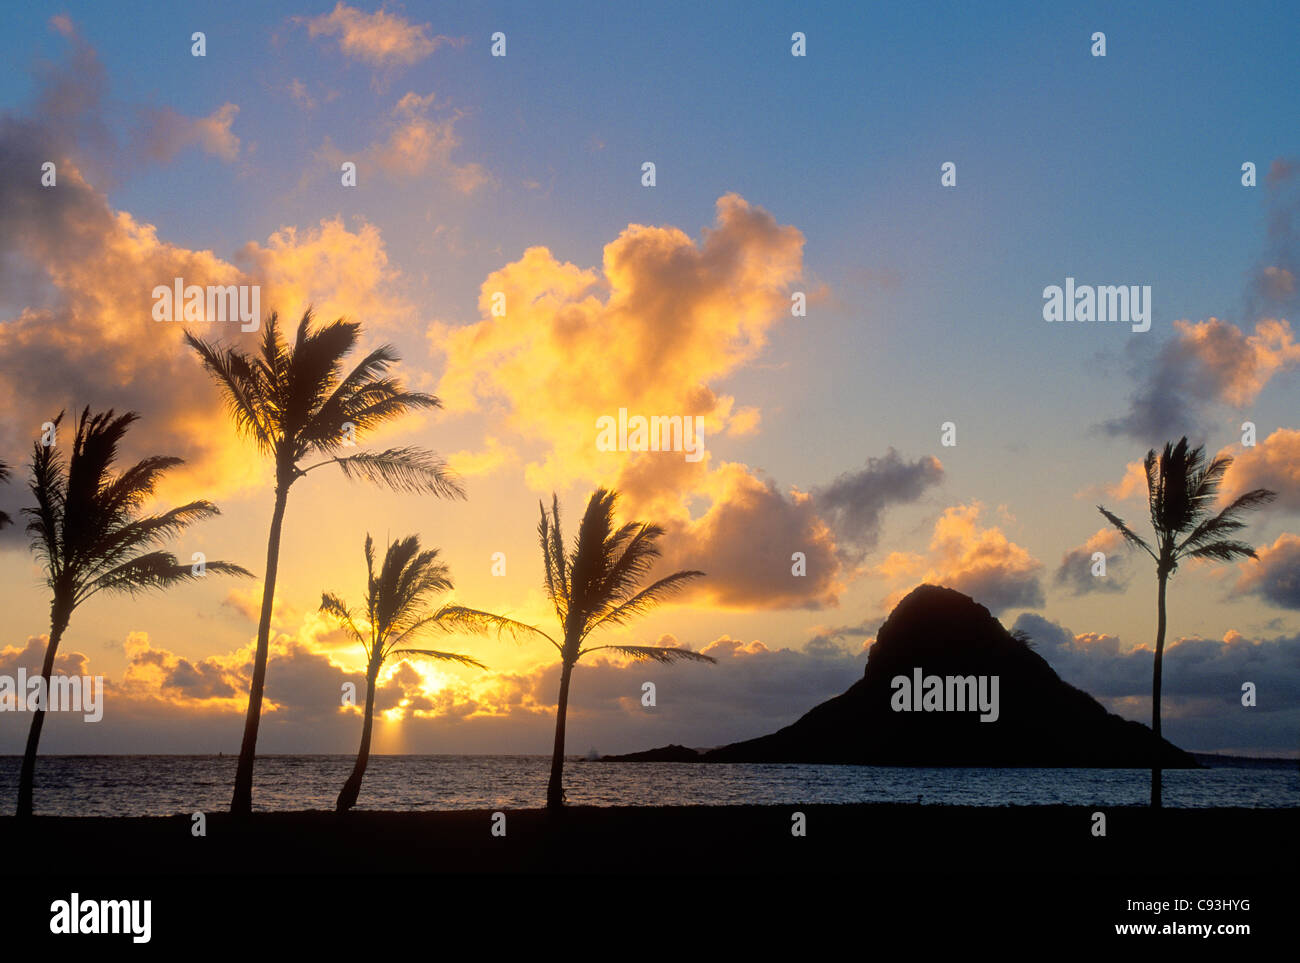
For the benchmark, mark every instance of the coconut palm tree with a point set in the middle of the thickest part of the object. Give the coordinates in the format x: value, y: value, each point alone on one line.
x: 294, y: 402
x: 1182, y: 488
x: 90, y: 537
x: 594, y: 586
x: 396, y: 611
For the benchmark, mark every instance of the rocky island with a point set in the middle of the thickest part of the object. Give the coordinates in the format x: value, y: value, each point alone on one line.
x: 939, y: 634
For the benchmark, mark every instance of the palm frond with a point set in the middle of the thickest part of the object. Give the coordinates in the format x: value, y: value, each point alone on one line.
x: 401, y: 469
x: 1255, y: 498
x: 1131, y: 536
x: 588, y: 566
x: 1179, y: 467
x: 142, y: 532
x: 654, y: 653
x: 331, y: 604
x: 438, y: 656
x: 313, y: 368
x: 136, y: 485
x: 246, y: 392
x: 556, y: 589
x: 153, y: 570
x: 636, y: 559
x: 559, y: 559
x: 1228, y: 520
x: 643, y: 601
x: 47, y: 485
x: 1226, y: 550
x: 1204, y: 482
x: 377, y: 403
x: 476, y: 620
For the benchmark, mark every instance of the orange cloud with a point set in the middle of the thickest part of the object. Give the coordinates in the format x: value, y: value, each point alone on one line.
x: 468, y: 464
x: 725, y: 648
x: 1203, y: 363
x: 167, y: 132
x: 415, y: 143
x: 982, y: 562
x: 1075, y: 570
x: 1132, y: 485
x: 381, y: 38
x: 1237, y: 364
x: 648, y: 332
x: 341, y: 272
x: 1272, y: 463
x: 746, y: 569
x: 93, y: 269
x: 158, y: 674
x: 31, y: 655
x: 1275, y: 575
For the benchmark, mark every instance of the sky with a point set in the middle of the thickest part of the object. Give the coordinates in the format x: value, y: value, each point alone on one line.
x: 522, y: 175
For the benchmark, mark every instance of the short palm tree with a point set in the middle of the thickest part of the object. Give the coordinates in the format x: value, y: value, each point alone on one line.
x: 396, y: 611
x: 88, y: 532
x: 296, y: 401
x: 1181, y: 491
x: 594, y: 586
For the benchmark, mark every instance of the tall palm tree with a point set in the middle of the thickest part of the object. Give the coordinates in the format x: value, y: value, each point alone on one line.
x: 1181, y: 490
x: 594, y: 586
x: 293, y: 402
x: 88, y: 532
x: 396, y: 611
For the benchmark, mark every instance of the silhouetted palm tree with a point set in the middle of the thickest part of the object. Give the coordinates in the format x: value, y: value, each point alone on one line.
x: 396, y: 610
x: 4, y: 477
x: 1181, y: 490
x: 87, y: 531
x: 595, y: 585
x: 292, y: 402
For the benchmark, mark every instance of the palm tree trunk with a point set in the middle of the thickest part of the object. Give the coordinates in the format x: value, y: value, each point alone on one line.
x: 242, y: 802
x: 352, y: 788
x: 555, y: 789
x: 1155, y: 693
x: 27, y: 777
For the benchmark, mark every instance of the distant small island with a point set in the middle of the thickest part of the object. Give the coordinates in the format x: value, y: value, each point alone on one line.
x: 1038, y: 720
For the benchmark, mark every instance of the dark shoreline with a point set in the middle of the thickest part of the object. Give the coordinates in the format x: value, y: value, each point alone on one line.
x: 1054, y: 840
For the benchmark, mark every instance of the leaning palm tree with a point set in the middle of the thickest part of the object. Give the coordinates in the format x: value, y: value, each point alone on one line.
x: 396, y: 611
x: 294, y: 402
x: 1181, y: 490
x: 594, y: 586
x: 90, y: 537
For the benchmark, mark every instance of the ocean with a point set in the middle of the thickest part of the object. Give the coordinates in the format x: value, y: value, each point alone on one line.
x: 166, y: 785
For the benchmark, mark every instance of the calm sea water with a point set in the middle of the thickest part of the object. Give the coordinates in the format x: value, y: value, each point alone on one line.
x: 165, y: 785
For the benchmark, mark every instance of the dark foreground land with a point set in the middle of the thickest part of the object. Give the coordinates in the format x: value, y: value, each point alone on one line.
x: 903, y: 839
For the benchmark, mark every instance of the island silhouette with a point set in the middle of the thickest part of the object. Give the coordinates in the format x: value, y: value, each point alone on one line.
x: 1041, y: 720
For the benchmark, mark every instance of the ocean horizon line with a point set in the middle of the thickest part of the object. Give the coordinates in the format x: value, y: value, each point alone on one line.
x: 586, y: 757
